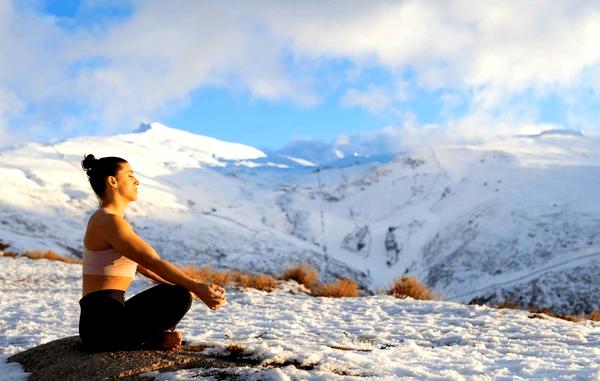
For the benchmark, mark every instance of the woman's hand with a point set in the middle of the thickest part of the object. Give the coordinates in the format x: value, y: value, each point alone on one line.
x: 211, y: 294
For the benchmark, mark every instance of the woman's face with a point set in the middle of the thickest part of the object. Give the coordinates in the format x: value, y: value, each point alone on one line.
x: 127, y: 183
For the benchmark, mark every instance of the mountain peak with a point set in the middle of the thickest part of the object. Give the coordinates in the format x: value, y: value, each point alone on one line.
x: 152, y: 126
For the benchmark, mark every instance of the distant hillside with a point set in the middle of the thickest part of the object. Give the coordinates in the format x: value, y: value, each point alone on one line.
x: 515, y: 219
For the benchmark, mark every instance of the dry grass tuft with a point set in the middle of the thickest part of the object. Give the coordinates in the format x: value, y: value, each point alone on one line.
x: 225, y: 278
x: 301, y: 273
x: 542, y: 310
x: 409, y: 286
x: 572, y: 318
x: 208, y: 275
x: 549, y: 312
x: 4, y: 246
x: 240, y: 278
x: 538, y: 312
x: 341, y: 288
x: 595, y: 316
x: 507, y: 304
x: 235, y: 349
x: 50, y: 255
x: 262, y: 282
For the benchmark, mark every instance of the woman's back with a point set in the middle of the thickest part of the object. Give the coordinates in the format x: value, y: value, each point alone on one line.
x: 93, y: 239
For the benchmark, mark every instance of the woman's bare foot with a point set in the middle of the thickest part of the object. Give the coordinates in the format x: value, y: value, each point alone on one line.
x: 171, y: 341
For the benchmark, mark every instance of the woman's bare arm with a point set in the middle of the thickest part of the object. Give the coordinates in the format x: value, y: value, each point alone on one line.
x: 122, y: 237
x: 151, y: 275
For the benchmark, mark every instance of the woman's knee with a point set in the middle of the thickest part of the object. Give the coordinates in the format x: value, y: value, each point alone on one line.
x: 181, y: 296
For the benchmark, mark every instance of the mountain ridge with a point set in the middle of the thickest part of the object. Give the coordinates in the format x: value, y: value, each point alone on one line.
x: 461, y: 218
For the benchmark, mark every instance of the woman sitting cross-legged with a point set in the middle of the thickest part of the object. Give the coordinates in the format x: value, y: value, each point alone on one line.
x: 112, y: 253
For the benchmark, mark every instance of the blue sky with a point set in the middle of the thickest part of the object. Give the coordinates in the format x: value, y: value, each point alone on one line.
x: 393, y: 74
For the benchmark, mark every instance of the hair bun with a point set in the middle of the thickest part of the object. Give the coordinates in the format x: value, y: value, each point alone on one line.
x: 89, y: 162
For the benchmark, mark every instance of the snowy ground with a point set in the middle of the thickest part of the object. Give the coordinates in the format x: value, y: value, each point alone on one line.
x: 299, y: 337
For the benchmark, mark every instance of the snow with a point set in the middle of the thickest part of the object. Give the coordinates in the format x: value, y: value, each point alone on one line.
x: 299, y: 337
x: 513, y: 216
x: 303, y: 162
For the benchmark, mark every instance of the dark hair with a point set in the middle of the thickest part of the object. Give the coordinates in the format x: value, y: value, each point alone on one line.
x: 98, y: 170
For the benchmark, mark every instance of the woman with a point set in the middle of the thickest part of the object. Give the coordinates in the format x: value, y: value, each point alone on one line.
x: 112, y: 254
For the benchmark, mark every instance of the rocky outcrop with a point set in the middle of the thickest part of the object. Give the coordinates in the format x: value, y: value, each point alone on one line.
x: 358, y: 241
x: 66, y: 360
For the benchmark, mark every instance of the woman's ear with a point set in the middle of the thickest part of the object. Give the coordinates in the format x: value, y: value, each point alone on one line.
x: 112, y: 181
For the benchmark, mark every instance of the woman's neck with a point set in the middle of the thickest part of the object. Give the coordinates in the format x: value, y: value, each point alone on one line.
x: 112, y: 207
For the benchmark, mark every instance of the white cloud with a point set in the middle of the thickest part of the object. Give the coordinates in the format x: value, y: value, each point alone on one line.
x: 509, y: 44
x: 473, y: 129
x: 488, y: 53
x: 392, y: 140
x: 139, y: 67
x: 469, y: 130
x: 149, y: 64
x: 387, y: 140
x: 165, y: 51
x: 374, y: 99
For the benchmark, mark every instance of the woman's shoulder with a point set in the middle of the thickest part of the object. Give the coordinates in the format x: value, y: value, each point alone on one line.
x: 102, y: 217
x: 102, y: 226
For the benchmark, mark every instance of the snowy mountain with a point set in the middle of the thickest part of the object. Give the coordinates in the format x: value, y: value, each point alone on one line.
x: 513, y: 219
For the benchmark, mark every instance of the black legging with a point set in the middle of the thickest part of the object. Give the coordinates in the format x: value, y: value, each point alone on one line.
x: 108, y: 322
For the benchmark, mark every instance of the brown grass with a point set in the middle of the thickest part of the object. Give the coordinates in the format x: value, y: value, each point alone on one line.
x: 208, y: 275
x: 235, y: 349
x: 409, y: 286
x: 224, y: 278
x: 543, y: 310
x: 595, y: 316
x: 549, y: 312
x: 507, y: 304
x: 406, y: 286
x: 572, y: 318
x: 262, y: 282
x: 4, y: 246
x: 50, y: 255
x: 301, y: 273
x: 240, y: 278
x: 341, y: 288
x: 536, y: 312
